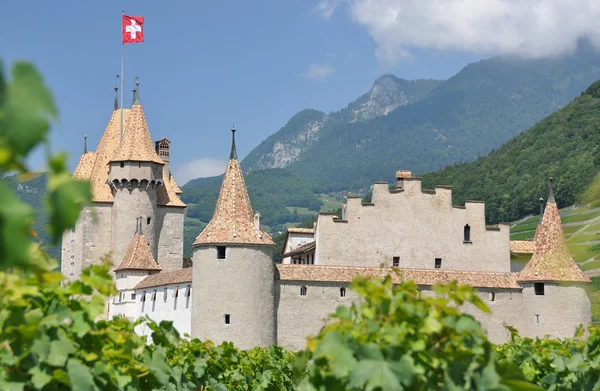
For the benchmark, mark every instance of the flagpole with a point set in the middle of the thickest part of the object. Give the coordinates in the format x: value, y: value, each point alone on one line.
x: 122, y: 71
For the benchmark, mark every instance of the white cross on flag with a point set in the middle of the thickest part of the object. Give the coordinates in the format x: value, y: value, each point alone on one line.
x: 133, y: 29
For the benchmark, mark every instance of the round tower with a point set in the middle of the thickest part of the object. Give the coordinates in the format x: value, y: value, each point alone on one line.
x: 135, y: 174
x: 233, y: 276
x: 554, y: 299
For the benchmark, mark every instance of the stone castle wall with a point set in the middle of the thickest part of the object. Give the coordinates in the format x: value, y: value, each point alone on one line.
x: 415, y: 226
x: 242, y: 286
x: 169, y: 236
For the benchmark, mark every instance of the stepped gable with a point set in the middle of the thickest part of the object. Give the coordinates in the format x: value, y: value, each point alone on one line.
x: 551, y: 260
x: 137, y: 143
x: 138, y: 255
x: 419, y: 276
x: 109, y: 143
x: 233, y: 220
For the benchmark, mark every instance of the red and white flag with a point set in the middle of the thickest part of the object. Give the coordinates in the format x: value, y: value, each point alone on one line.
x: 133, y: 29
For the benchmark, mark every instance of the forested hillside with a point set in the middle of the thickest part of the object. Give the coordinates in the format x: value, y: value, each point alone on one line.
x: 564, y: 145
x: 480, y: 108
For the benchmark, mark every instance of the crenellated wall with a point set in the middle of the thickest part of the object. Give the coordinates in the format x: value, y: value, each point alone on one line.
x: 415, y: 225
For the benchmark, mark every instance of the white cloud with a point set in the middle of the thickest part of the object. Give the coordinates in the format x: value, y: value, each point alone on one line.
x: 319, y: 72
x: 528, y: 28
x: 326, y: 8
x: 199, y: 168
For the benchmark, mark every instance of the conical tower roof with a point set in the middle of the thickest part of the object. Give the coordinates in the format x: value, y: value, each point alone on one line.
x: 233, y: 220
x: 137, y: 143
x: 138, y: 255
x: 551, y: 260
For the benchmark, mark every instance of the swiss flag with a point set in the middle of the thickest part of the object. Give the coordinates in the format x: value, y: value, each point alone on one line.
x: 133, y: 29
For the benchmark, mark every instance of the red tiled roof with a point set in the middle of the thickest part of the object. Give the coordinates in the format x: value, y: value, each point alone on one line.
x: 166, y: 277
x: 551, y: 260
x: 138, y: 256
x: 420, y: 276
x: 522, y: 246
x: 233, y: 220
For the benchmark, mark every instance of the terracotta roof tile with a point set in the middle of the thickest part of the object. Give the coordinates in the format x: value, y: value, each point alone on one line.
x: 138, y: 256
x: 167, y: 277
x: 522, y: 246
x: 85, y: 166
x: 109, y: 143
x: 137, y: 143
x: 551, y: 260
x: 301, y: 230
x: 419, y: 276
x: 168, y: 193
x: 233, y: 221
x: 306, y: 248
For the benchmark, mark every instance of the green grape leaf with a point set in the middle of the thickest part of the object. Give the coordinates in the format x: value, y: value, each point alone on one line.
x: 80, y: 376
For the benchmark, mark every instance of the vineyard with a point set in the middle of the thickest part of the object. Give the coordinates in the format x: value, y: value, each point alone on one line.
x: 53, y: 335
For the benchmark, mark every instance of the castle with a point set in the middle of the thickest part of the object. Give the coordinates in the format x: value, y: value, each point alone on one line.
x: 235, y: 292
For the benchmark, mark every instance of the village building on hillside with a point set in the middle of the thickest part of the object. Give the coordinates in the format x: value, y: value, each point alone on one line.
x: 233, y: 290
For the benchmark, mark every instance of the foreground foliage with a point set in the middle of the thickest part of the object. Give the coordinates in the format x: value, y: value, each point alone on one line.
x: 53, y: 335
x: 396, y: 340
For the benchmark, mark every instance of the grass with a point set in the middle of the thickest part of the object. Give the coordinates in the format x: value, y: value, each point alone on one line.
x: 329, y: 204
x: 524, y: 227
x: 584, y: 238
x: 522, y: 235
x: 569, y: 229
x: 582, y: 257
x: 591, y: 265
x: 593, y: 227
x: 579, y: 217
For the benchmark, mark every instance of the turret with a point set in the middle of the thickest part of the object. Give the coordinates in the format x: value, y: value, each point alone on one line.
x: 135, y: 175
x: 555, y: 300
x: 163, y: 149
x: 233, y: 279
x: 136, y: 265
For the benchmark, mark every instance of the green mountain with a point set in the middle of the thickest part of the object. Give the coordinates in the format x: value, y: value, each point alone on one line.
x: 282, y: 198
x: 511, y: 179
x: 480, y: 108
x: 32, y: 191
x: 304, y: 129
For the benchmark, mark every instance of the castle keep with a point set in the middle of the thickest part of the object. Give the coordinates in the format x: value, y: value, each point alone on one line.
x: 235, y: 292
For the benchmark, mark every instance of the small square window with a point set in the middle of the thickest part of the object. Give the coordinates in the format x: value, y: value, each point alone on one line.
x: 133, y: 296
x: 438, y: 263
x: 227, y: 319
x: 220, y: 252
x: 538, y: 287
x: 396, y: 261
x: 122, y: 164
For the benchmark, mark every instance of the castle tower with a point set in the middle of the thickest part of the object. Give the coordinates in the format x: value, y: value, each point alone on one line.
x: 128, y: 181
x: 137, y: 264
x: 136, y: 173
x: 233, y: 276
x: 555, y: 300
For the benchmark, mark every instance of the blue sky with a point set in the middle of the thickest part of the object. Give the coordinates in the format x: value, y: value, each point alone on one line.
x: 205, y: 65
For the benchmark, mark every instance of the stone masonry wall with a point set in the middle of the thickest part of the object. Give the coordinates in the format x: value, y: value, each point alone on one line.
x: 415, y: 226
x: 169, y: 235
x: 242, y: 286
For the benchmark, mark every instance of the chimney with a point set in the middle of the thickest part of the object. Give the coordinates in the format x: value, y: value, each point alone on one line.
x: 401, y: 175
x: 163, y: 150
x: 257, y: 221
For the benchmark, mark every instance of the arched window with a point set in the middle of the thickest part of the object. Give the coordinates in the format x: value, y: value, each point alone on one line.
x: 342, y: 292
x: 467, y: 234
x: 303, y: 291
